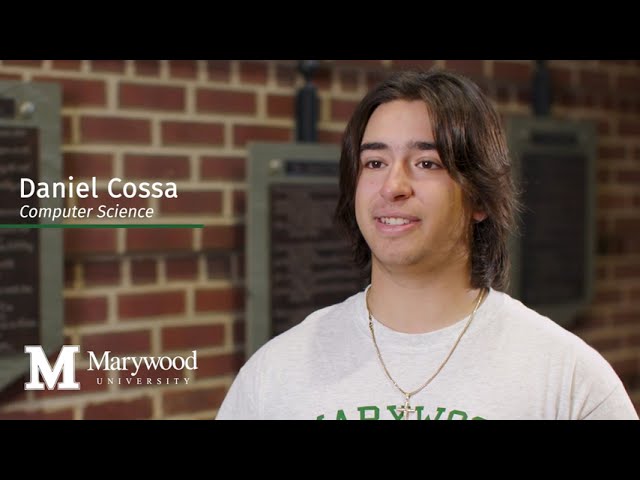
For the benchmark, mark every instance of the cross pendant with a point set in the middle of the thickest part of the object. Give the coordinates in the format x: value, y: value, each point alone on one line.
x: 407, y: 409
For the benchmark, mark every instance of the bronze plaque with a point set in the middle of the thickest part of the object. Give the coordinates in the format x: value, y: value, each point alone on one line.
x: 19, y: 248
x: 554, y: 227
x: 311, y: 264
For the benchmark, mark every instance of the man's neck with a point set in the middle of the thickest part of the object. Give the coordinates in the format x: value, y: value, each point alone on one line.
x: 413, y: 303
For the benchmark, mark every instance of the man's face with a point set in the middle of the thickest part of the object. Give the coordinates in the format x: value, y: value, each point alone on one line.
x: 408, y: 208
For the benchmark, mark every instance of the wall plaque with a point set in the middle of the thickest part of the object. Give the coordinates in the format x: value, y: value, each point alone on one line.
x: 19, y: 248
x: 297, y: 261
x: 30, y: 258
x: 553, y: 256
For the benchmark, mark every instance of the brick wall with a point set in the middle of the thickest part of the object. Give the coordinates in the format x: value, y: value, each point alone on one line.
x: 168, y: 292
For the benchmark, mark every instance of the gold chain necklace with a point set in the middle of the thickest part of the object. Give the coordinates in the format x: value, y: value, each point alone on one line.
x: 407, y: 409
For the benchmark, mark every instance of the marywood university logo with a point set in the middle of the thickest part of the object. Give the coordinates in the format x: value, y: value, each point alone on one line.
x: 65, y: 366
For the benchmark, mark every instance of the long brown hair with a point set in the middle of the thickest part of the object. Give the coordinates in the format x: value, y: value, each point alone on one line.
x: 471, y: 143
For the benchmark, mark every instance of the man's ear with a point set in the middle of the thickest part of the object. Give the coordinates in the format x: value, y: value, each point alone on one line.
x: 479, y: 216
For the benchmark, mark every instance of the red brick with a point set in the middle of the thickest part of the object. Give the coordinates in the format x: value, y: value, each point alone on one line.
x: 341, y: 110
x: 143, y: 270
x: 83, y: 241
x: 152, y: 97
x: 225, y: 101
x: 473, y: 68
x: 608, y: 296
x: 60, y: 414
x: 628, y: 177
x: 613, y: 201
x: 219, y: 300
x: 85, y: 310
x: 156, y: 167
x: 286, y: 75
x: 611, y: 152
x: 375, y: 77
x: 136, y: 305
x: 628, y: 227
x: 588, y: 321
x: 137, y: 409
x: 86, y: 165
x: 560, y: 77
x: 120, y: 343
x: 10, y: 76
x: 322, y: 78
x: 223, y: 168
x: 326, y: 136
x: 629, y: 127
x: 239, y: 202
x: 219, y: 70
x: 253, y: 72
x: 115, y: 130
x: 110, y: 202
x: 66, y: 64
x: 77, y: 92
x: 632, y: 340
x: 101, y: 272
x: 223, y: 237
x: 23, y: 63
x: 147, y: 67
x: 88, y: 380
x: 348, y: 80
x: 217, y: 365
x: 69, y: 273
x: 193, y: 203
x: 159, y: 240
x: 116, y: 66
x: 242, y: 134
x: 627, y: 315
x: 181, y: 268
x: 603, y: 127
x: 513, y: 72
x: 145, y: 374
x: 188, y: 401
x: 183, y: 68
x: 192, y: 133
x: 407, y: 64
x: 628, y: 369
x: 280, y: 106
x: 594, y: 80
x: 603, y: 344
x: 66, y: 129
x: 524, y: 94
x: 628, y: 83
x: 190, y: 337
x: 219, y: 268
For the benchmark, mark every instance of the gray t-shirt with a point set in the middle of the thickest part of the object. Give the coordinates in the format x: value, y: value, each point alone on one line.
x: 512, y: 363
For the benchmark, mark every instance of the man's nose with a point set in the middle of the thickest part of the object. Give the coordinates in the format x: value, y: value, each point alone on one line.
x: 397, y: 184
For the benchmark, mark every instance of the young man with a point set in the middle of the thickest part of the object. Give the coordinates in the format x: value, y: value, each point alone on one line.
x: 426, y: 195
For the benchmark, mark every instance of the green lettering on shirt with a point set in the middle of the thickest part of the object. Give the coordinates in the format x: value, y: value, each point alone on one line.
x: 363, y: 413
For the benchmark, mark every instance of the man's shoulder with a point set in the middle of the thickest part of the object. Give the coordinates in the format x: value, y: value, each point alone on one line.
x: 526, y: 322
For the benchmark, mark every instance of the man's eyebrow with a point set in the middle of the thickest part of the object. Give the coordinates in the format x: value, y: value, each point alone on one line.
x: 374, y: 146
x: 413, y: 145
x: 422, y: 145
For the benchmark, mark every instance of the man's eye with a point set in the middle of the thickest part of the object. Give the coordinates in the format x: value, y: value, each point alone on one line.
x: 428, y: 165
x: 373, y: 164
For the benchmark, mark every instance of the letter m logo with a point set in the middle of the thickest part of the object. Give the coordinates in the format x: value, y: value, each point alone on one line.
x: 65, y: 365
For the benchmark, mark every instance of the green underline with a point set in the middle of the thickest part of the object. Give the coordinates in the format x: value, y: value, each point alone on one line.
x: 102, y: 225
